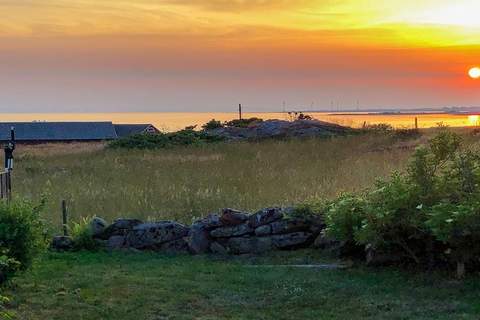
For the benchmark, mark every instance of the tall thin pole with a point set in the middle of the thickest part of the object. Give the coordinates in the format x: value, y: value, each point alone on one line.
x: 64, y: 218
x: 240, y: 111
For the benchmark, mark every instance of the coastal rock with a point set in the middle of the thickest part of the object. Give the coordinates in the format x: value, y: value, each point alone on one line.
x: 234, y: 231
x: 62, y: 243
x: 265, y: 216
x: 152, y: 235
x: 98, y: 226
x: 119, y: 228
x: 280, y: 129
x: 231, y: 217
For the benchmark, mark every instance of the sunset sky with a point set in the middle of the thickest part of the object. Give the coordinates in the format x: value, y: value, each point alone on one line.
x: 210, y: 55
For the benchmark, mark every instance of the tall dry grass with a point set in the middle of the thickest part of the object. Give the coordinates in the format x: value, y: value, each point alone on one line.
x: 188, y: 182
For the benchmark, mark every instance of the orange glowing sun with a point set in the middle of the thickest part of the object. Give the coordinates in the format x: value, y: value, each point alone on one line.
x: 474, y: 73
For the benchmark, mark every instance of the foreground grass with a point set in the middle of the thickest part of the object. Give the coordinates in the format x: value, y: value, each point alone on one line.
x: 149, y: 286
x: 188, y: 182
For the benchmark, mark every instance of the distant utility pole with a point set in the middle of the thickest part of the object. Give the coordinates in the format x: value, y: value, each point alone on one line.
x: 240, y: 111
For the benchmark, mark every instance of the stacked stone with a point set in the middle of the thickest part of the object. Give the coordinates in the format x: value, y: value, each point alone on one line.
x: 231, y: 232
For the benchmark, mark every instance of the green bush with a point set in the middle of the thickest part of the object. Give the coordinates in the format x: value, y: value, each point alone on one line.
x: 22, y: 236
x: 212, y: 124
x: 393, y: 220
x: 344, y: 217
x: 4, y: 313
x: 164, y: 140
x: 242, y: 123
x: 82, y: 235
x: 428, y: 214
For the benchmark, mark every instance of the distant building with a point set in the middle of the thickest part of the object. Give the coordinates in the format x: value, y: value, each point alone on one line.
x: 37, y: 132
x: 125, y: 130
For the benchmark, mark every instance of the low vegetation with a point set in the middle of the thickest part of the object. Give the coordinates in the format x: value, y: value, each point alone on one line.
x: 161, y: 140
x: 426, y: 213
x: 147, y: 286
x: 429, y: 214
x: 22, y: 236
x: 190, y: 181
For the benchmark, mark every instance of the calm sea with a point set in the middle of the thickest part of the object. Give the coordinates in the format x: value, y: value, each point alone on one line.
x: 170, y: 121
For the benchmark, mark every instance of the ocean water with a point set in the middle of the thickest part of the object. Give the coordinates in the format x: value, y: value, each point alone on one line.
x: 170, y: 121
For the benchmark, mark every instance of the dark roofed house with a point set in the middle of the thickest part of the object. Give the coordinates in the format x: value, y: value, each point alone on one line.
x: 125, y: 130
x: 36, y: 132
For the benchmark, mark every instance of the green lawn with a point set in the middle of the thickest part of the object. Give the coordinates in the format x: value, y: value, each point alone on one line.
x: 152, y: 286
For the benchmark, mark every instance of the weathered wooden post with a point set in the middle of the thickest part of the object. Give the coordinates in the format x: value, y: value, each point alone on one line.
x: 240, y: 111
x: 65, y: 218
x: 8, y: 149
x: 416, y: 123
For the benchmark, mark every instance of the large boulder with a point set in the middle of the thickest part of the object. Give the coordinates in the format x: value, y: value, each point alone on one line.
x: 218, y: 248
x: 199, y: 238
x: 244, y: 245
x: 265, y: 216
x: 97, y: 226
x: 231, y: 217
x: 235, y: 231
x: 175, y: 246
x: 291, y: 240
x: 289, y: 226
x: 152, y: 235
x: 210, y: 222
x: 115, y: 242
x: 62, y: 243
x: 119, y: 228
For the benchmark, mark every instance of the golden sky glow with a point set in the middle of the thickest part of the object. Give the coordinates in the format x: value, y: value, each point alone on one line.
x: 235, y: 47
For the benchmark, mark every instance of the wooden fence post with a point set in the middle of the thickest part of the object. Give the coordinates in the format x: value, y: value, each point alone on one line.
x: 416, y: 123
x: 65, y: 218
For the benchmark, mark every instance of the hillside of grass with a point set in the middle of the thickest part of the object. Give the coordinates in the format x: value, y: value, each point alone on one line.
x: 186, y: 182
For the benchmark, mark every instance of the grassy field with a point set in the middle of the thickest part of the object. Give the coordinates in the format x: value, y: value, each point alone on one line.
x: 153, y: 287
x: 183, y: 183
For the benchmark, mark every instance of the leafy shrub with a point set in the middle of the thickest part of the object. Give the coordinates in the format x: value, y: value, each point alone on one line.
x: 82, y: 235
x: 242, y: 123
x: 428, y: 214
x: 4, y: 313
x: 212, y: 124
x: 21, y: 236
x: 458, y: 227
x: 344, y: 217
x: 393, y: 219
x: 164, y: 140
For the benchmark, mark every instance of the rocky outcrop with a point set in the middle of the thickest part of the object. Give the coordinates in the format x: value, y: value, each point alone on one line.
x: 280, y: 129
x: 230, y: 232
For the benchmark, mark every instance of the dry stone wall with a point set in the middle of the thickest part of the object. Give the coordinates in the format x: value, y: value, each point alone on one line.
x: 230, y: 232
